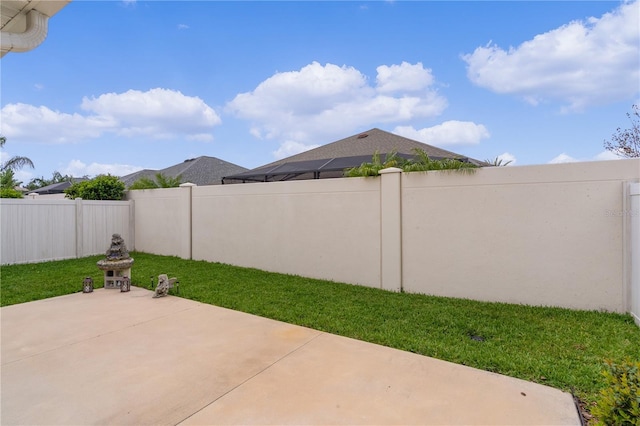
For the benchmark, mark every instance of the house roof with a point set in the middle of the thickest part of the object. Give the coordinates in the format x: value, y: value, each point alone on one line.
x: 57, y: 188
x: 201, y: 171
x: 332, y: 159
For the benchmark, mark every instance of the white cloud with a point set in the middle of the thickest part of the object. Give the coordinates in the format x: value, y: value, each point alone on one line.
x: 158, y: 113
x: 4, y: 156
x: 451, y: 132
x: 579, y: 64
x: 507, y: 159
x: 563, y: 158
x: 23, y: 122
x: 77, y: 168
x: 155, y: 114
x: 23, y: 176
x: 183, y: 27
x: 289, y: 148
x: 602, y: 156
x: 403, y: 78
x: 319, y: 102
x: 607, y: 155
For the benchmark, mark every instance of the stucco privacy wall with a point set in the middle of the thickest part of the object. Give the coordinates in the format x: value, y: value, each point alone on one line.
x: 51, y: 229
x: 561, y: 235
x: 541, y: 235
x: 633, y: 213
x: 327, y: 229
x: 163, y: 221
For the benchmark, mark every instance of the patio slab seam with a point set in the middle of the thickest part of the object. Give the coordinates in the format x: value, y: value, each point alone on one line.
x: 265, y: 369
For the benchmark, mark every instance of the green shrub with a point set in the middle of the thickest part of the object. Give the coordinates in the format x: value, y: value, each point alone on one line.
x: 10, y: 193
x: 102, y: 187
x: 619, y: 402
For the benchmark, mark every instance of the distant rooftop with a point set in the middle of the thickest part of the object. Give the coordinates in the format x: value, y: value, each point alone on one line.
x: 200, y: 170
x: 330, y: 160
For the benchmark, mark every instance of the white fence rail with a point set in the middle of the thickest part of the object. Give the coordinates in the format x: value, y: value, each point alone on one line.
x: 43, y: 230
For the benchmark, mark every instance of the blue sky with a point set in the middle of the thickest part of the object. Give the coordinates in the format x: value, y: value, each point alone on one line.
x: 118, y: 86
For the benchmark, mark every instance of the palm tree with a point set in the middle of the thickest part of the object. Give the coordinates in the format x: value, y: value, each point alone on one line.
x: 371, y: 169
x: 161, y: 181
x: 421, y: 162
x: 498, y: 162
x: 14, y: 163
x: 168, y: 181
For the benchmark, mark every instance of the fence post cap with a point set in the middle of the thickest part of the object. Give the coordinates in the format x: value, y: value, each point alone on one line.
x: 390, y: 170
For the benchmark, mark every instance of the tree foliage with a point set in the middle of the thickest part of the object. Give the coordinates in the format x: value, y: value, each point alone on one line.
x: 8, y: 184
x: 421, y: 162
x: 626, y: 142
x: 102, y: 187
x: 372, y: 168
x: 160, y: 181
x: 8, y: 180
x: 10, y: 193
x: 41, y: 182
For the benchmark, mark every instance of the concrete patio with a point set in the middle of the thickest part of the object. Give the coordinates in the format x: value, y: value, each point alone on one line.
x: 115, y: 358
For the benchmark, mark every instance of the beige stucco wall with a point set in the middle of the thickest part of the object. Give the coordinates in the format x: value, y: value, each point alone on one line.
x: 160, y: 215
x: 633, y: 266
x: 540, y: 235
x: 558, y: 235
x: 327, y: 229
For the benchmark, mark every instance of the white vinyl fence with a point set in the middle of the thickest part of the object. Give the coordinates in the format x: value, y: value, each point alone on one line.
x: 42, y: 230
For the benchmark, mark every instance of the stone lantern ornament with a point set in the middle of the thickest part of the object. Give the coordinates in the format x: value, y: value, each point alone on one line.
x: 117, y: 265
x: 87, y: 285
x: 125, y: 284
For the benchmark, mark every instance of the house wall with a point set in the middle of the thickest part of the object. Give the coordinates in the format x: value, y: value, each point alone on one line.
x: 51, y: 229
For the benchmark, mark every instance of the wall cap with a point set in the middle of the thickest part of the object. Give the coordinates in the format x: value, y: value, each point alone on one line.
x: 390, y: 170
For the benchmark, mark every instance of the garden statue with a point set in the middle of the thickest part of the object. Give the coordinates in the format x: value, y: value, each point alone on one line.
x: 117, y: 264
x: 163, y: 286
x: 118, y: 249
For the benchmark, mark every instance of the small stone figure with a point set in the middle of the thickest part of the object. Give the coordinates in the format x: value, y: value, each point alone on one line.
x: 163, y: 286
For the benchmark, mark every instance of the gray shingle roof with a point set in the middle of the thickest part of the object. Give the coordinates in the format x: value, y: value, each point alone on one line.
x: 201, y: 171
x: 367, y: 143
x: 331, y: 159
x: 57, y: 188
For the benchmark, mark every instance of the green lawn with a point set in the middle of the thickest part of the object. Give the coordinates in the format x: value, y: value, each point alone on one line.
x: 562, y: 348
